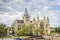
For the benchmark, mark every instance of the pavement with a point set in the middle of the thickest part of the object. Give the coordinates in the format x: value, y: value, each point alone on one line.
x: 7, y: 39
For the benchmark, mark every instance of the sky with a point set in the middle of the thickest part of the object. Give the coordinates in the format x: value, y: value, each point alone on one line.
x: 10, y: 10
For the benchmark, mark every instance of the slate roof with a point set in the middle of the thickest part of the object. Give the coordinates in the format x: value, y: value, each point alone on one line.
x: 20, y: 21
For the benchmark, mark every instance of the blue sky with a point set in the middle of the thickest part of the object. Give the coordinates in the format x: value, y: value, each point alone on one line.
x: 14, y: 9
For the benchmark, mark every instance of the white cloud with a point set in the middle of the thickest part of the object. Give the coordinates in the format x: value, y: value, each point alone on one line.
x: 41, y: 7
x: 8, y: 19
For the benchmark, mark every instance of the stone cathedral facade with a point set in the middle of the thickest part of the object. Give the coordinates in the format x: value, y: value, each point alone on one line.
x: 43, y: 24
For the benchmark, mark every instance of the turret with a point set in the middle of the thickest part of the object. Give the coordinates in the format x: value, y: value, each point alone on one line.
x: 37, y: 17
x: 44, y: 19
x: 34, y: 19
x: 47, y: 20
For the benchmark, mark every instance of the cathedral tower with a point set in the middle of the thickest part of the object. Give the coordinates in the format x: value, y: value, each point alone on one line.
x: 26, y: 16
x: 46, y: 26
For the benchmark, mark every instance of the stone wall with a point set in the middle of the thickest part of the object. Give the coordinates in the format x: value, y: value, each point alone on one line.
x: 55, y: 38
x: 34, y: 38
x: 39, y: 38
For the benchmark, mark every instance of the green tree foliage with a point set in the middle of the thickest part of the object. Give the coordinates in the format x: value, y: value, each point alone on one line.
x: 3, y: 30
x: 23, y: 31
x: 30, y: 27
x: 26, y: 30
x: 37, y: 31
x: 57, y: 29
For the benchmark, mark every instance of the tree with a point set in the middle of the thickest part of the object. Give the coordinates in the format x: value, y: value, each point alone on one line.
x: 29, y: 30
x: 31, y: 27
x: 57, y: 29
x: 26, y: 30
x: 3, y: 30
x: 37, y: 31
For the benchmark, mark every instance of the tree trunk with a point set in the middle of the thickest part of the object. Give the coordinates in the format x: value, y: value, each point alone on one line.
x: 36, y: 34
x: 2, y: 36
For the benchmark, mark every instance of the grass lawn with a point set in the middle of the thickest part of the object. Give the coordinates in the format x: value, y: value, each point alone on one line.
x: 54, y: 33
x: 22, y: 37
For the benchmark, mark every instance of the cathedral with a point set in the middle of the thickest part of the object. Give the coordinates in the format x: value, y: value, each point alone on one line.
x: 43, y: 24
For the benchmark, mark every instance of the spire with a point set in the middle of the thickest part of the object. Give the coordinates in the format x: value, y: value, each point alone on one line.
x: 38, y: 17
x: 26, y: 12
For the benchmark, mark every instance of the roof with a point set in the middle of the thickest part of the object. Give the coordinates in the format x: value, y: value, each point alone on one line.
x: 20, y: 21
